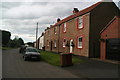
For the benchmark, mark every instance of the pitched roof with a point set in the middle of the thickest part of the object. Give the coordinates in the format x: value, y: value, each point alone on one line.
x: 115, y: 18
x: 78, y: 13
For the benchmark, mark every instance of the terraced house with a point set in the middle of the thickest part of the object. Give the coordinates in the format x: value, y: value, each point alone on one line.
x: 79, y: 33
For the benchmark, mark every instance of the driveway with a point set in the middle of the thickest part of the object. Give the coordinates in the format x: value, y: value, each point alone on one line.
x: 91, y: 68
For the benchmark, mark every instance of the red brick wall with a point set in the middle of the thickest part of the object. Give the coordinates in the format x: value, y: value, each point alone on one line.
x: 72, y: 33
x: 47, y: 38
x: 51, y: 37
x: 112, y: 31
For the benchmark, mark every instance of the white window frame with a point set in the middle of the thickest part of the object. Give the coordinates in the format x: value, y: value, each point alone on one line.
x: 47, y: 43
x: 55, y: 44
x: 64, y: 42
x: 65, y: 27
x: 80, y: 44
x: 55, y: 30
x: 80, y: 22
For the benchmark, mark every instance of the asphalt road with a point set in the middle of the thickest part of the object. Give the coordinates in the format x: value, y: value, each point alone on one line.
x: 13, y: 66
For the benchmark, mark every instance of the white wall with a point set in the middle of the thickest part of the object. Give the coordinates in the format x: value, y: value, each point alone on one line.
x: 41, y: 42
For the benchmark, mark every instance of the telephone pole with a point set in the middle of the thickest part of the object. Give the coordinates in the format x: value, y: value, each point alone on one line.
x: 36, y: 34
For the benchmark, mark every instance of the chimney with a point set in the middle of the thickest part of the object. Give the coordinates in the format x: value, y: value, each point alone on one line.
x: 51, y: 26
x: 58, y: 19
x: 75, y: 10
x: 47, y: 27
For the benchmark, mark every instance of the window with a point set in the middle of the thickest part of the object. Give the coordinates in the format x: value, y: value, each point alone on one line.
x: 64, y: 42
x: 47, y: 43
x: 48, y: 33
x: 80, y: 40
x: 64, y: 27
x: 55, y: 45
x: 80, y: 23
x: 31, y: 50
x: 55, y: 30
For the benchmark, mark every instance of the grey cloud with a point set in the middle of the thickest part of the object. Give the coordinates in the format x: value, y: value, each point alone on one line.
x: 9, y: 5
x: 21, y: 18
x: 32, y: 11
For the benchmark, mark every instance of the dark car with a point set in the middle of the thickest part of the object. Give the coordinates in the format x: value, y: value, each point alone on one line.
x: 31, y: 53
x: 22, y: 48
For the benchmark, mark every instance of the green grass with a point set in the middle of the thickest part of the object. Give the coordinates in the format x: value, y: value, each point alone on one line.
x: 54, y: 59
x: 5, y: 48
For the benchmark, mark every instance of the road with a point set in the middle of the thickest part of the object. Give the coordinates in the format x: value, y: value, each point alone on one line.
x: 13, y: 66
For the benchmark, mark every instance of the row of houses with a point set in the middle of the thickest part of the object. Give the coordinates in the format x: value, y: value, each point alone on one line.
x: 85, y: 32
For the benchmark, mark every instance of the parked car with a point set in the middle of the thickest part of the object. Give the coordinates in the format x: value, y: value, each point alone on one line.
x: 22, y: 48
x: 31, y: 53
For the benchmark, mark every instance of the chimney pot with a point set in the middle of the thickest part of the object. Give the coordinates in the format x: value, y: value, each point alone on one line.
x: 75, y: 10
x: 51, y: 26
x: 47, y: 27
x: 58, y: 19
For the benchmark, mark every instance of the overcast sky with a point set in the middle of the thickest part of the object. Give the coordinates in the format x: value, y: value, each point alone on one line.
x: 20, y: 16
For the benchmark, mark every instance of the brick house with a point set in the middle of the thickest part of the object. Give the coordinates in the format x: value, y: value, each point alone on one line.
x: 51, y: 38
x: 110, y: 40
x: 79, y: 33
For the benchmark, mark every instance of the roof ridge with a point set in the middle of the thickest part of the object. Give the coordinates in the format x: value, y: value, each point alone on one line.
x: 114, y: 18
x: 78, y: 13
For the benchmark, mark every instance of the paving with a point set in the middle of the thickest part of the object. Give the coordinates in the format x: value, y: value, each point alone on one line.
x: 92, y: 68
x: 15, y: 67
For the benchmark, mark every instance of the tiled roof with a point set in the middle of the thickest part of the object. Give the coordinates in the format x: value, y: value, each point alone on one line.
x: 78, y: 13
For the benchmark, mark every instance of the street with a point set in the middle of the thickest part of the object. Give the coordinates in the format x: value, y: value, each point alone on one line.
x: 13, y: 66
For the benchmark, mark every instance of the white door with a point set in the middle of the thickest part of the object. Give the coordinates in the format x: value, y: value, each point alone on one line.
x: 71, y: 47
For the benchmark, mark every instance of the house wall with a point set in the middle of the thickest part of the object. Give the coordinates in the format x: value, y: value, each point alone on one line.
x: 37, y: 43
x: 51, y: 37
x: 73, y: 32
x: 54, y: 37
x: 41, y: 42
x: 47, y: 40
x: 94, y: 22
x: 112, y: 31
x: 99, y: 18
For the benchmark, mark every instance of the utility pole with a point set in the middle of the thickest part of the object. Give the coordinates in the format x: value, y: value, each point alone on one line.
x: 36, y: 34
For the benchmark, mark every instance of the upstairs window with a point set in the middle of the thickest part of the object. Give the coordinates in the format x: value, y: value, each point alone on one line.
x: 64, y: 27
x: 80, y: 22
x: 64, y: 42
x: 55, y: 44
x: 80, y: 42
x: 47, y: 43
x: 48, y: 33
x: 55, y: 30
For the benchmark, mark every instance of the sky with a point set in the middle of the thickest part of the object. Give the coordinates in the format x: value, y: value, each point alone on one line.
x: 21, y: 16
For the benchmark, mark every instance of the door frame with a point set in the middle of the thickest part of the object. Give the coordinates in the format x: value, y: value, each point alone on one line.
x: 71, y: 47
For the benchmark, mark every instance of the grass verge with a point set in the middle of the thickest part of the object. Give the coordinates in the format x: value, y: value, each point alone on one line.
x: 54, y: 59
x: 5, y: 48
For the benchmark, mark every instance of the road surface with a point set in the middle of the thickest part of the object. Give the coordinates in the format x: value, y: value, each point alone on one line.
x: 14, y: 66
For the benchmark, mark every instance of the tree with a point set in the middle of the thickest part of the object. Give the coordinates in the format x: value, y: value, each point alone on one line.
x: 21, y: 41
x: 5, y: 37
x: 11, y: 43
x: 16, y: 42
x: 30, y: 44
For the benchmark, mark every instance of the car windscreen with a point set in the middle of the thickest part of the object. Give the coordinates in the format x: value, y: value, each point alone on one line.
x: 31, y: 50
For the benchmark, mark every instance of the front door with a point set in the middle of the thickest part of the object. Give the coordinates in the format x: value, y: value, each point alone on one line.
x: 51, y: 46
x: 71, y: 47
